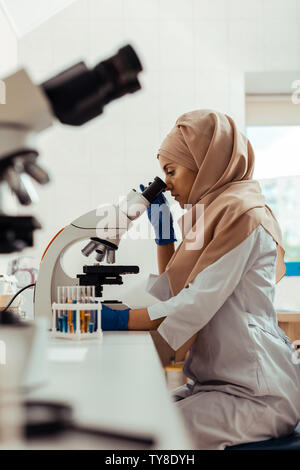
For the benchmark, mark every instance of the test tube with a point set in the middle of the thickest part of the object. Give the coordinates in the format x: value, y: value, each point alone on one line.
x: 65, y: 322
x: 88, y: 314
x: 82, y: 312
x: 59, y: 293
x: 60, y: 324
x: 64, y: 298
x: 95, y: 311
x: 91, y: 300
x: 69, y: 293
x: 74, y: 301
x: 59, y: 313
x: 69, y: 316
x: 78, y: 299
x: 98, y: 316
x: 87, y: 320
x: 70, y: 312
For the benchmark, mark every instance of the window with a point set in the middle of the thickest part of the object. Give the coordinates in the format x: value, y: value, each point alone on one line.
x: 277, y: 168
x: 273, y: 128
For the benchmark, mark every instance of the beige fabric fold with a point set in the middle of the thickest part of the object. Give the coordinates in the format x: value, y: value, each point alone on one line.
x: 232, y: 204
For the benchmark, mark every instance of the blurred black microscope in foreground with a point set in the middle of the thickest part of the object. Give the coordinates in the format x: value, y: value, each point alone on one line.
x: 74, y: 97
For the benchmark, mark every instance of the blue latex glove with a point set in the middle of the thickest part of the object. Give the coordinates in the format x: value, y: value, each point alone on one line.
x: 158, y: 212
x: 114, y: 319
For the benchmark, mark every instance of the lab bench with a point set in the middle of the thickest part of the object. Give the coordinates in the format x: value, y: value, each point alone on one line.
x: 116, y: 384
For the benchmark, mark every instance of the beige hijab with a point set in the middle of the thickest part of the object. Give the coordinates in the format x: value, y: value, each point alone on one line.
x: 209, y: 143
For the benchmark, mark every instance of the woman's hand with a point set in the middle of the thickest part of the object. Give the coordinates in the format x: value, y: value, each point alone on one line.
x: 114, y: 319
x: 160, y: 217
x: 128, y: 319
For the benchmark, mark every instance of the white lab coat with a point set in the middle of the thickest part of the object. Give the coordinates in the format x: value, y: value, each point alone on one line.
x: 245, y: 386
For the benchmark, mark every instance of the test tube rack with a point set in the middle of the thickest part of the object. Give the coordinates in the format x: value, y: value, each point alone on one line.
x: 77, y: 334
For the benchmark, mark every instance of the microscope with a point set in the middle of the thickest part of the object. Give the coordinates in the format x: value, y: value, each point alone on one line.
x: 104, y: 227
x: 74, y: 97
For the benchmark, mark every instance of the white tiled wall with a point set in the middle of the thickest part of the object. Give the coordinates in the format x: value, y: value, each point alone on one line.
x: 8, y: 62
x: 194, y: 54
x: 8, y: 47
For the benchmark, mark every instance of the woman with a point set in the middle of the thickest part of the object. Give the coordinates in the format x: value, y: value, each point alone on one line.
x: 217, y: 289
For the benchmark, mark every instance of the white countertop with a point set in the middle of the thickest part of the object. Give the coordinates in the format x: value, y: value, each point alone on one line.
x: 117, y: 383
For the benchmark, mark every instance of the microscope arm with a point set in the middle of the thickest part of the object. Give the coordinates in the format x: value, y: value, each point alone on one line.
x: 104, y: 227
x: 101, y: 224
x: 52, y: 273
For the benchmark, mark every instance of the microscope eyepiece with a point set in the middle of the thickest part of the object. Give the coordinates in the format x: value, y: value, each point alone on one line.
x: 120, y: 71
x: 79, y: 94
x: 154, y: 189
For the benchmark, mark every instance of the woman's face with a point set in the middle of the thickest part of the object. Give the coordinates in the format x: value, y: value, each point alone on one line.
x: 179, y: 180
